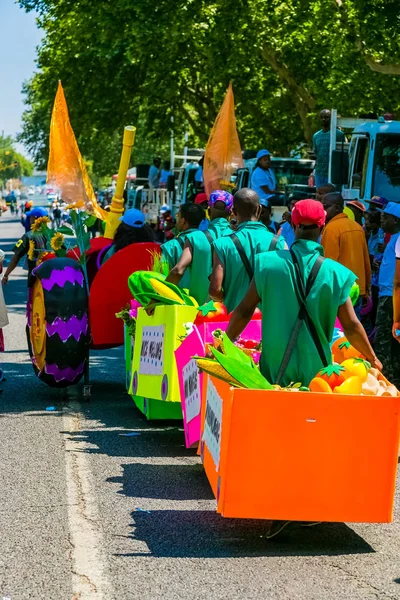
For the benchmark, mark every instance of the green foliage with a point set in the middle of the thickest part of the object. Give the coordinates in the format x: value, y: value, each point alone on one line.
x: 136, y: 62
x: 9, y: 156
x: 129, y: 321
x: 65, y: 230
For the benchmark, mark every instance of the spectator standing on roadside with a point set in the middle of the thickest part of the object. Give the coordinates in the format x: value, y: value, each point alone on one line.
x: 358, y: 209
x: 165, y: 173
x: 266, y: 218
x: 199, y: 177
x: 287, y: 230
x: 3, y: 308
x: 165, y: 224
x: 344, y: 240
x: 154, y: 173
x: 324, y: 189
x: 376, y: 247
x: 321, y: 145
x: 386, y: 348
x: 263, y: 180
x: 396, y: 295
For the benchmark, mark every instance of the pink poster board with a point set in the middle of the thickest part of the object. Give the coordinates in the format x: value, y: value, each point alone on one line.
x: 190, y: 385
x: 190, y: 381
x: 251, y: 332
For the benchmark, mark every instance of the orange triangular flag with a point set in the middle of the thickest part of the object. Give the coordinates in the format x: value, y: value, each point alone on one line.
x: 223, y: 152
x: 66, y: 169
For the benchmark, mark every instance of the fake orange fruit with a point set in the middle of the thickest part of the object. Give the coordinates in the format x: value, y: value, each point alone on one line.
x: 333, y: 375
x: 342, y: 350
x: 320, y: 385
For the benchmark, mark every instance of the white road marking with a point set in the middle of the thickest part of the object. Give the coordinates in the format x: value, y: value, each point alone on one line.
x: 89, y: 579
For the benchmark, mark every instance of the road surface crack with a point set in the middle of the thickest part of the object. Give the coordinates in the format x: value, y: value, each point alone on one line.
x: 376, y: 590
x: 82, y: 577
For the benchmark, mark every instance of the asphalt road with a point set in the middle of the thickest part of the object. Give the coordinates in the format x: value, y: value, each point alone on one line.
x: 71, y: 486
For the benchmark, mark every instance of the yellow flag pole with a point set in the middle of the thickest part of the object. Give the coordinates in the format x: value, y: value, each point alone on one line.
x: 117, y: 203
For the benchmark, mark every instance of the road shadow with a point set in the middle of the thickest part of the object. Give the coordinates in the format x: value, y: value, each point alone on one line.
x: 205, y: 534
x: 23, y: 392
x: 112, y: 406
x: 16, y: 293
x: 168, y: 482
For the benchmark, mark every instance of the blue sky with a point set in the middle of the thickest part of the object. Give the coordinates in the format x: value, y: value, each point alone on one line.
x: 19, y: 37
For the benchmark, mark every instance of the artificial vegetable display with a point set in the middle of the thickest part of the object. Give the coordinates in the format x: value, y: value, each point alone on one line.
x: 342, y: 350
x: 211, y: 311
x: 233, y: 366
x: 236, y: 364
x: 250, y: 347
x: 353, y: 376
x: 150, y: 287
x: 333, y: 375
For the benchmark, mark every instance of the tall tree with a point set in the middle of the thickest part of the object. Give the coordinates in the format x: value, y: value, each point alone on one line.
x: 13, y: 165
x: 133, y: 61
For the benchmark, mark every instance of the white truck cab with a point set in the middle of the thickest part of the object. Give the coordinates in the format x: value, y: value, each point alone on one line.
x: 373, y: 158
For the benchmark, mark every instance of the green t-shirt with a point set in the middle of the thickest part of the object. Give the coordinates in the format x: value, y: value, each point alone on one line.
x: 219, y: 227
x: 255, y: 238
x: 274, y: 275
x: 201, y: 266
x: 172, y: 251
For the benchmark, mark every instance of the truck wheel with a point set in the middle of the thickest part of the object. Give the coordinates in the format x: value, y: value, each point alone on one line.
x: 58, y: 323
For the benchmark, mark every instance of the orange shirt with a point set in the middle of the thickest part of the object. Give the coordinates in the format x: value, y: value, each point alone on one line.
x: 344, y: 240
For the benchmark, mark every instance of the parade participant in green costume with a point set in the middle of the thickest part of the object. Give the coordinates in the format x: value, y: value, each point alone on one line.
x: 197, y: 253
x: 234, y: 255
x: 278, y: 280
x: 188, y: 220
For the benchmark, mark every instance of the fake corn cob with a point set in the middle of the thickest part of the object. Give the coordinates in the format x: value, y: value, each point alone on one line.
x: 149, y: 286
x: 165, y: 291
x: 212, y: 367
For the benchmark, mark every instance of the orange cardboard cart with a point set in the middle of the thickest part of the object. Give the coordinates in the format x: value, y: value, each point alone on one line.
x: 300, y: 456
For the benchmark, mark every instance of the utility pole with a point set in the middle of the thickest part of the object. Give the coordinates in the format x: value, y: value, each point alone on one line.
x: 172, y: 147
x: 185, y: 150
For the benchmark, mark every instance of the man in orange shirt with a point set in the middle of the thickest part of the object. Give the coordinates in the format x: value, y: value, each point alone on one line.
x: 344, y: 240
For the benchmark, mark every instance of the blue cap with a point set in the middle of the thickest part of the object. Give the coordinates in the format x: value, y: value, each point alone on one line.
x: 134, y: 218
x: 392, y: 208
x: 39, y: 211
x: 262, y: 153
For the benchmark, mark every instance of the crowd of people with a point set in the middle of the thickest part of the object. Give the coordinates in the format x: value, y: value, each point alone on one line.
x: 217, y: 248
x: 221, y: 261
x: 230, y: 249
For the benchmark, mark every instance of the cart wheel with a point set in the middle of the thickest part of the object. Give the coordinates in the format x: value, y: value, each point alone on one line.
x: 58, y: 326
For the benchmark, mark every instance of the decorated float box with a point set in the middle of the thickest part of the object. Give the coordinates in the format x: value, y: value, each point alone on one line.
x: 300, y: 456
x: 154, y: 382
x: 191, y: 381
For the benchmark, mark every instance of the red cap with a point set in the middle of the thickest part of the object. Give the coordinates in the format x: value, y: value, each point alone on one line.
x: 200, y: 198
x: 308, y: 212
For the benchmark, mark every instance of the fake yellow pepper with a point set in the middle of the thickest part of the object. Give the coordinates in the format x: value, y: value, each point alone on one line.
x: 357, y: 367
x: 352, y: 385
